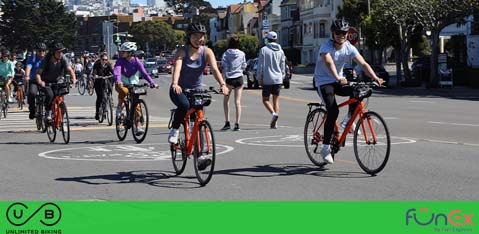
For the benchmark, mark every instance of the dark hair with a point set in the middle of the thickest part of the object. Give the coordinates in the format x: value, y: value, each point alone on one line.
x: 234, y: 43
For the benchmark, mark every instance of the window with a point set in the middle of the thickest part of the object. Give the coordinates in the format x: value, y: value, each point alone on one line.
x: 322, y: 30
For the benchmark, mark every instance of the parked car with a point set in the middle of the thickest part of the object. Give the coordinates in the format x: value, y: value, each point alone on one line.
x: 380, y: 72
x: 163, y: 66
x: 250, y: 72
x: 151, y: 67
x: 287, y: 78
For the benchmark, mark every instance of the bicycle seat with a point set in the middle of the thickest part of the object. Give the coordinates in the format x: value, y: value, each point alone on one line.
x: 315, y: 104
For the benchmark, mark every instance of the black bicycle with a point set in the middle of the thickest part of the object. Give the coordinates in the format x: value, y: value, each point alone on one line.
x: 106, y: 107
x: 40, y: 110
x: 134, y: 114
x: 3, y: 98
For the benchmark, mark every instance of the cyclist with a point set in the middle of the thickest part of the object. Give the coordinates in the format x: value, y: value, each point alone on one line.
x: 127, y: 71
x: 329, y: 79
x: 78, y: 67
x: 18, y: 77
x: 33, y: 63
x: 52, y: 68
x: 188, y: 73
x: 102, y: 67
x: 6, y: 72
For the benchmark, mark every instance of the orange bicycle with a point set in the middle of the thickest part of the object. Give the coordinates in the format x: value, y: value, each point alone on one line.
x: 371, y: 140
x: 196, y: 138
x: 19, y: 94
x: 60, y: 120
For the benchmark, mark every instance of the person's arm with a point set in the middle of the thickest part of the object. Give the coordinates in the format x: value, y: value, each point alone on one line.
x: 259, y: 67
x: 332, y: 68
x: 117, y: 73
x: 39, y: 73
x: 210, y: 57
x: 367, y: 69
x: 283, y: 66
x: 28, y: 69
x: 72, y: 74
x: 180, y: 54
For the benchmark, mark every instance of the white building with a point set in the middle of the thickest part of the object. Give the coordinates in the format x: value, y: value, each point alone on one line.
x: 161, y: 4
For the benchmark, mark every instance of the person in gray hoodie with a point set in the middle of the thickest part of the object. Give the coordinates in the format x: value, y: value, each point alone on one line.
x: 270, y: 74
x: 233, y: 62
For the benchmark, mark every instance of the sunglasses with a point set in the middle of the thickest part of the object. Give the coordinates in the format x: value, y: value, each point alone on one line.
x: 340, y: 33
x: 104, y: 59
x: 41, y: 50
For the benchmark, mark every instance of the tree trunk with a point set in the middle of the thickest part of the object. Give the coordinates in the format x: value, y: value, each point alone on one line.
x: 433, y: 79
x: 397, y: 55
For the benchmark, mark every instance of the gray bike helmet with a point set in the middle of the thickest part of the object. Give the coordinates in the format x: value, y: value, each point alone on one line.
x: 40, y: 46
x: 340, y: 25
x: 194, y: 28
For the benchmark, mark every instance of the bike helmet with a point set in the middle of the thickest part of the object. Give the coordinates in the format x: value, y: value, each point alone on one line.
x: 194, y: 28
x: 128, y: 46
x: 20, y: 64
x: 40, y: 46
x: 6, y: 53
x: 57, y: 46
x: 340, y: 25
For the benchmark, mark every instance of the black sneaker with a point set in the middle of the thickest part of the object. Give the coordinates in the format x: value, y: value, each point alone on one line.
x: 226, y: 127
x: 274, y: 121
x: 237, y: 128
x: 97, y: 116
x: 31, y: 115
x: 203, y: 162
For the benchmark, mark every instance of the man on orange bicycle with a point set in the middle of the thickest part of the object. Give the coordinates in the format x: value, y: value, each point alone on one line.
x: 329, y: 79
x: 51, y: 69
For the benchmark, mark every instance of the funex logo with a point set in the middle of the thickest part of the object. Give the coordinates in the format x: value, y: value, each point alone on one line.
x: 455, y: 217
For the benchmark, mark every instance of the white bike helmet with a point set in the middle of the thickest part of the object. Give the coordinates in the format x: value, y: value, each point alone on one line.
x: 128, y: 46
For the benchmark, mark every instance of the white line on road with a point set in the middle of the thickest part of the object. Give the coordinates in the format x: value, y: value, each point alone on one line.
x: 456, y: 124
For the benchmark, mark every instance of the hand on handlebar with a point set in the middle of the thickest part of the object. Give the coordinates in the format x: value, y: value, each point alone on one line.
x: 155, y: 86
x: 343, y: 81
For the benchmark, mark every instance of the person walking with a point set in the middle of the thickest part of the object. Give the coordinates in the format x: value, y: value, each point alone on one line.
x: 233, y: 63
x: 270, y: 73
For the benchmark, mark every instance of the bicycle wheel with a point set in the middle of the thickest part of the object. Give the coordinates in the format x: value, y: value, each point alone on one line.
x: 39, y: 116
x: 204, y: 153
x: 20, y: 97
x: 313, y: 135
x: 81, y: 86
x: 65, y: 124
x: 140, y: 121
x: 178, y: 152
x: 101, y: 111
x: 372, y: 143
x: 109, y: 111
x: 121, y: 127
x: 51, y: 130
x: 90, y: 87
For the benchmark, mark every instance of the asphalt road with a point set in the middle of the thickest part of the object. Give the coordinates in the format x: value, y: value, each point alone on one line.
x: 434, y: 156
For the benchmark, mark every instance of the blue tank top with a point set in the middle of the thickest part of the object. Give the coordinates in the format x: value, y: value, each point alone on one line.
x: 191, y: 75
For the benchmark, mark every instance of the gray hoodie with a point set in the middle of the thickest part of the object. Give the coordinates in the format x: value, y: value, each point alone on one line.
x: 233, y: 63
x: 271, y: 64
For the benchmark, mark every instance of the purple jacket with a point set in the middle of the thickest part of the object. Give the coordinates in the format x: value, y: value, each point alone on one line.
x: 129, y: 68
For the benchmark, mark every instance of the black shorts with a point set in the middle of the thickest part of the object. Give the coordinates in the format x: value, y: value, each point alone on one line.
x: 271, y: 89
x: 235, y: 82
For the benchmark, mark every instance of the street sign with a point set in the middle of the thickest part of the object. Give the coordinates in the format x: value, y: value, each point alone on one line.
x: 265, y: 25
x: 353, y: 36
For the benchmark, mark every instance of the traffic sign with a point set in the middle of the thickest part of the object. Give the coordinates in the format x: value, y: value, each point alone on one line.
x: 353, y: 36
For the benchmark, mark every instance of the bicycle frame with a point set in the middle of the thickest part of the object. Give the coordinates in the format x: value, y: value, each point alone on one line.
x: 57, y: 112
x: 360, y: 109
x: 195, y: 132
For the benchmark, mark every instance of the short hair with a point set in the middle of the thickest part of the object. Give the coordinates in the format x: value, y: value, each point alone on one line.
x: 234, y: 42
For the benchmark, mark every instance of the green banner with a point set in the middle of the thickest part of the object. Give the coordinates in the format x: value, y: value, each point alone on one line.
x: 238, y: 217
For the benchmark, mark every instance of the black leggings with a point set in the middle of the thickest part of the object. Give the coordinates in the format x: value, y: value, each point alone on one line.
x: 99, y: 90
x: 327, y: 92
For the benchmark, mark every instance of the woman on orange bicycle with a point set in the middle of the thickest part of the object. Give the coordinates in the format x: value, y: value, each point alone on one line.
x: 329, y: 79
x: 190, y: 62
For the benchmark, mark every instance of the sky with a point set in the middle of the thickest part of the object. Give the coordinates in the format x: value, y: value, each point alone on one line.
x: 214, y: 3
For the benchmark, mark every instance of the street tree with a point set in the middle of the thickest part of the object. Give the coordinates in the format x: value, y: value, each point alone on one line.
x: 435, y: 15
x: 156, y: 35
x: 248, y: 44
x: 179, y: 5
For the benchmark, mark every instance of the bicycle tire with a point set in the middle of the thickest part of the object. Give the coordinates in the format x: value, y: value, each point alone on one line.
x: 178, y: 152
x: 382, y: 139
x: 51, y: 130
x: 39, y: 116
x: 81, y: 86
x: 142, y: 121
x: 120, y: 126
x: 101, y: 111
x: 20, y: 97
x: 109, y: 108
x: 313, y: 143
x: 204, y: 175
x: 65, y: 124
x: 90, y: 87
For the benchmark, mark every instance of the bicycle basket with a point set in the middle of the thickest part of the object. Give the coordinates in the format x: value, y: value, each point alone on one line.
x: 61, y: 89
x: 200, y: 99
x: 139, y: 91
x: 362, y: 91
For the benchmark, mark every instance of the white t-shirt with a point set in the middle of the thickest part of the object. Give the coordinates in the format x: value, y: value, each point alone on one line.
x: 78, y: 67
x: 340, y: 57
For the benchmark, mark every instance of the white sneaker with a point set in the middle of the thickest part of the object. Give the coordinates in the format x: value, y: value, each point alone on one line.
x: 326, y: 153
x: 345, y: 121
x: 173, y: 137
x: 139, y: 131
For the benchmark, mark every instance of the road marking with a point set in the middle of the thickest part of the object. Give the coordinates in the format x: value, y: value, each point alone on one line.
x: 122, y: 153
x: 428, y: 102
x: 389, y: 118
x: 456, y: 124
x: 447, y: 142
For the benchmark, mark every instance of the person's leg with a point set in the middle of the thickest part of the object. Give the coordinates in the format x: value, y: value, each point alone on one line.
x: 7, y: 89
x: 345, y: 91
x: 226, y: 108
x: 238, y: 94
x: 48, y: 101
x: 182, y: 104
x: 329, y: 99
x: 32, y: 94
x: 99, y: 96
x: 122, y: 93
x: 266, y: 93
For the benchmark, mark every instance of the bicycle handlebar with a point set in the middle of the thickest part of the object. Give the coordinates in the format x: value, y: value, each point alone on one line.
x: 204, y: 91
x: 370, y: 83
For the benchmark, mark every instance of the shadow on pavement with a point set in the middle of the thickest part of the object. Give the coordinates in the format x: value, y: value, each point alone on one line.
x: 153, y: 178
x: 273, y: 170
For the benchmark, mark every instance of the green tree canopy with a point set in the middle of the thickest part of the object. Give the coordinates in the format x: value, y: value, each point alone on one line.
x: 25, y: 22
x: 157, y: 34
x: 248, y: 44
